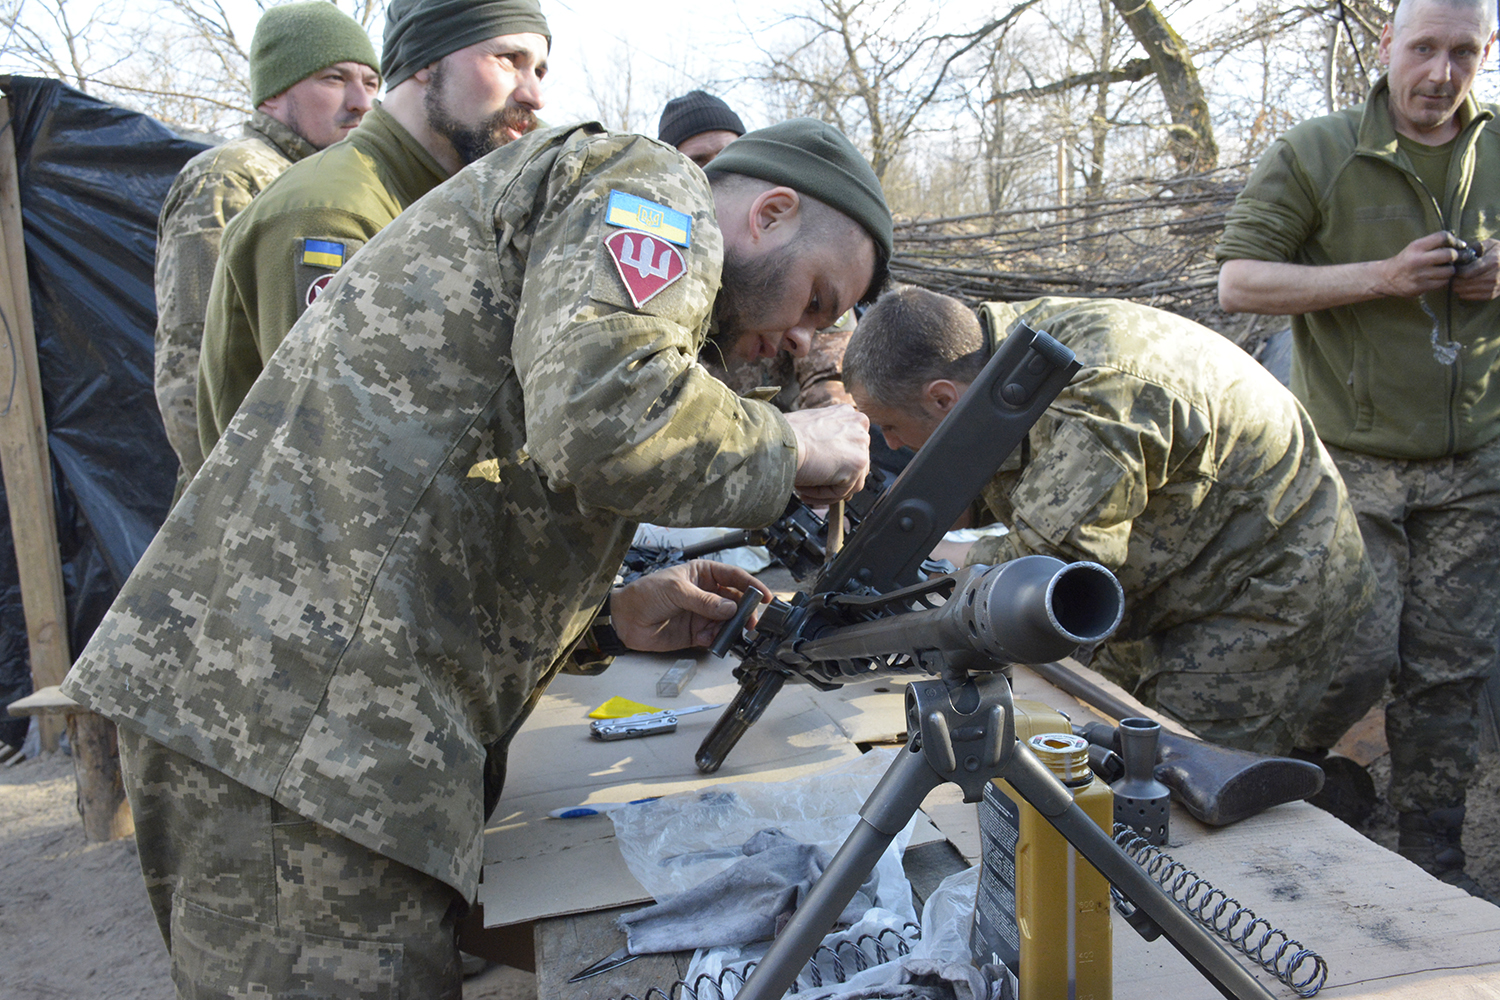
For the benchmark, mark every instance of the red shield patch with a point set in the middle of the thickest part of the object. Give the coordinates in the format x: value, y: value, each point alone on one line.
x: 316, y: 288
x: 646, y: 264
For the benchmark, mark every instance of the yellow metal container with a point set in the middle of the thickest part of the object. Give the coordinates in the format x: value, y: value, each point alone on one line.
x: 1043, y: 913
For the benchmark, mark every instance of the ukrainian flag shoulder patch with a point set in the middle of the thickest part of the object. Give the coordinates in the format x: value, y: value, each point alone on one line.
x: 633, y: 212
x: 323, y: 253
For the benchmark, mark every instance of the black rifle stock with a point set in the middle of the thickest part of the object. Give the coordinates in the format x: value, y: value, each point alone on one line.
x: 1217, y: 785
x: 879, y: 567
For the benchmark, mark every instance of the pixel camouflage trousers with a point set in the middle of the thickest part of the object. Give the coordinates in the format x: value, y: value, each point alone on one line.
x: 254, y: 900
x: 1432, y: 532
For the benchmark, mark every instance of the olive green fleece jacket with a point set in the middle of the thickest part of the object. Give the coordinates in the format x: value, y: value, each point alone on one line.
x: 1399, y: 378
x: 275, y: 255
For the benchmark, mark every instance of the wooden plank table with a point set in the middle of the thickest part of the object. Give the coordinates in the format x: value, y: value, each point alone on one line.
x: 1386, y: 928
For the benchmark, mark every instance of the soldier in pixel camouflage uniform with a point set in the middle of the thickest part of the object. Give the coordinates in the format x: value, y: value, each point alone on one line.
x: 1178, y: 462
x: 463, y: 77
x: 317, y: 666
x: 313, y: 75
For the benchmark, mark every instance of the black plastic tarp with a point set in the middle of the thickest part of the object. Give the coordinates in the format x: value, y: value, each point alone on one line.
x: 92, y: 178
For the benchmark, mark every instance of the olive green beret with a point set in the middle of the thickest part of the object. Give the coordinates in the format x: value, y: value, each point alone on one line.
x: 420, y: 32
x: 816, y: 159
x: 294, y: 41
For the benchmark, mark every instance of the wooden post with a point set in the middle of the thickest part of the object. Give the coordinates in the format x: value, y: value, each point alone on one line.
x: 23, y: 449
x: 33, y: 525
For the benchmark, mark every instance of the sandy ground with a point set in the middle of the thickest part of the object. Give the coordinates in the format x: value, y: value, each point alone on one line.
x: 74, y: 921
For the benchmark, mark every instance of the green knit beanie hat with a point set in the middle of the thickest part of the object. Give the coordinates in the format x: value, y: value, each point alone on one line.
x: 294, y: 41
x: 816, y: 159
x: 420, y: 32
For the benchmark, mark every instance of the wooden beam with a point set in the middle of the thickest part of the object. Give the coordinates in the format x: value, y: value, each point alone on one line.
x: 33, y: 523
x: 47, y: 701
x: 23, y: 447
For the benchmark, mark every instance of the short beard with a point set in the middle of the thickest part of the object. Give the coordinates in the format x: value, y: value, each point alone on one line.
x: 471, y: 140
x: 746, y: 287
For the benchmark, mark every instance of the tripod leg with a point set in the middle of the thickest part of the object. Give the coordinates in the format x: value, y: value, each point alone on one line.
x: 1037, y: 786
x: 884, y: 814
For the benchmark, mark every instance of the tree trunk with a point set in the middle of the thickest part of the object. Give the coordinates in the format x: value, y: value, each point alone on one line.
x: 1192, y: 139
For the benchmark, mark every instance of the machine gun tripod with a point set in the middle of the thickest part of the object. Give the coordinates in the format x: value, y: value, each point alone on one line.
x: 963, y: 731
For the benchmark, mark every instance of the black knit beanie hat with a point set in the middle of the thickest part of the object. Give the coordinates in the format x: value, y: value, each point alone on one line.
x: 695, y: 112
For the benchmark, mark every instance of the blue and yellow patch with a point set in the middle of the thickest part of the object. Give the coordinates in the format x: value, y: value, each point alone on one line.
x: 632, y: 212
x: 323, y: 253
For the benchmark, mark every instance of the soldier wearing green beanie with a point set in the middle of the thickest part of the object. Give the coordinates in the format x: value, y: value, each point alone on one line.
x: 463, y: 77
x: 313, y: 75
x: 416, y: 518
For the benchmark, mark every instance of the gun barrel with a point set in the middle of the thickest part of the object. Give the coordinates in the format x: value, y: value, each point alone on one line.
x: 1029, y: 610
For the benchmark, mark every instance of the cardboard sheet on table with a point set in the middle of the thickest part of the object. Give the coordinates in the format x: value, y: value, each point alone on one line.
x: 538, y: 867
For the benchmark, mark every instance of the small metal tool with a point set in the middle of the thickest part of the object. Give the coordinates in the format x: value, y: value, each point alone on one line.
x: 645, y: 724
x: 608, y: 963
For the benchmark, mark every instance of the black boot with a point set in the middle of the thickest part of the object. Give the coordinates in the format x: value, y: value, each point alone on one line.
x: 1431, y: 840
x: 1348, y: 790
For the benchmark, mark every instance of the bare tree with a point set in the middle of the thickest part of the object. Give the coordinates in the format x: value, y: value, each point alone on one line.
x: 58, y: 39
x: 1191, y: 135
x: 875, y: 68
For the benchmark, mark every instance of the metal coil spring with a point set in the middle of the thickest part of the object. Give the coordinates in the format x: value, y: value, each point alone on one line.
x: 829, y: 964
x: 1300, y: 968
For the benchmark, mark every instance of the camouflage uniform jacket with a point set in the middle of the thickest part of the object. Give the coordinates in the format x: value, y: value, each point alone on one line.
x: 212, y: 188
x: 282, y: 250
x: 1178, y: 462
x: 1395, y: 377
x: 424, y: 502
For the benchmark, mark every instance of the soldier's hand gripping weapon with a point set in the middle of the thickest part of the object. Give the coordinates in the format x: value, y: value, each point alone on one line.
x: 877, y: 575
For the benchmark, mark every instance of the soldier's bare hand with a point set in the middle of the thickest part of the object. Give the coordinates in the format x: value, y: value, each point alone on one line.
x: 1479, y: 281
x: 1426, y: 264
x: 679, y: 606
x: 833, y: 452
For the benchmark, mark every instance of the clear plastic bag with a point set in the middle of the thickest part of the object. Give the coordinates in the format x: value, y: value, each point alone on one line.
x: 677, y: 841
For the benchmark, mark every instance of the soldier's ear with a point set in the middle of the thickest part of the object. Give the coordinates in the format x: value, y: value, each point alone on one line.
x: 943, y: 395
x: 775, y: 213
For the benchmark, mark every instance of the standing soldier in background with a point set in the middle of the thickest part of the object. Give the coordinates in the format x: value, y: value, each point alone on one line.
x: 313, y: 75
x: 700, y: 125
x: 1356, y: 224
x: 463, y: 77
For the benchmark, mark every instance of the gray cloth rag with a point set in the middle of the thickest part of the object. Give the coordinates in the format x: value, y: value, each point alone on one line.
x: 749, y: 901
x: 924, y: 979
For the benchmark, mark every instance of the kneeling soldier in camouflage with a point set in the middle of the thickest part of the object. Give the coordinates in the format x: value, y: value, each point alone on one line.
x: 1178, y: 462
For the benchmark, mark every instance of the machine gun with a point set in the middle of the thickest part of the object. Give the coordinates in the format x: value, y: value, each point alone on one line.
x: 878, y: 573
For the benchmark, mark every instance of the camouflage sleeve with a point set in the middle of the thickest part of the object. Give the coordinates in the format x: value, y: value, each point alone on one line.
x: 1086, y: 480
x: 820, y: 375
x: 187, y: 248
x: 1274, y: 214
x: 617, y: 407
x: 260, y: 290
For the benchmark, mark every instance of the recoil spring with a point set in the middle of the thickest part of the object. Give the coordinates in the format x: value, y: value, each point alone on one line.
x: 830, y: 964
x: 1301, y: 969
